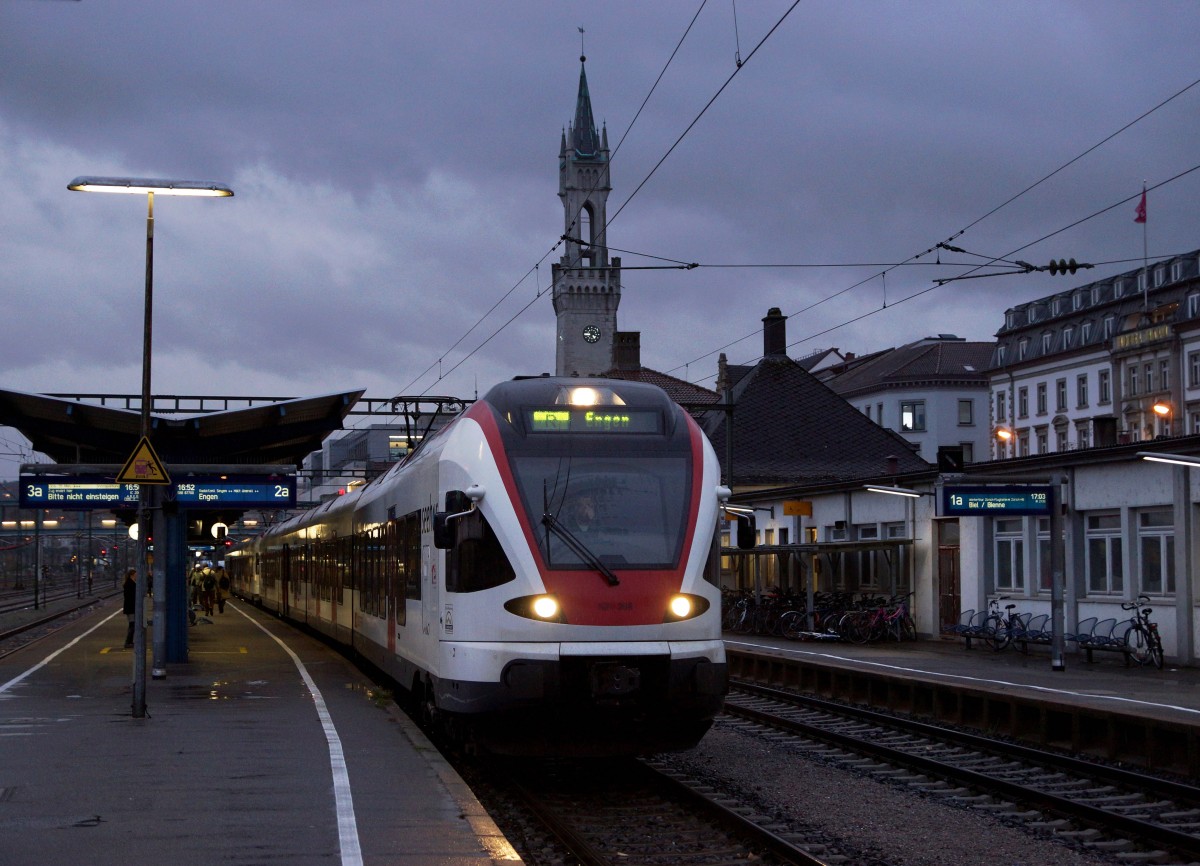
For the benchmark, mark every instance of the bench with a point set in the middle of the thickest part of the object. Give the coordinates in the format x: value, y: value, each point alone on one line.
x: 1106, y: 634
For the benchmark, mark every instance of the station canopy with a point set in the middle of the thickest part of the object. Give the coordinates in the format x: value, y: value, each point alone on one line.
x: 282, y: 433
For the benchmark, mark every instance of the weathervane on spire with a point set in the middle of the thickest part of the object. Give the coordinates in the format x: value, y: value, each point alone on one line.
x: 582, y: 54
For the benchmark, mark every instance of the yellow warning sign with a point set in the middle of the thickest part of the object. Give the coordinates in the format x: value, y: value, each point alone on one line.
x: 143, y: 467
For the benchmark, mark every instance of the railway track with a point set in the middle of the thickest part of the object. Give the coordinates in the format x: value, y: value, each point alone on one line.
x: 1109, y: 809
x: 630, y: 811
x: 20, y: 627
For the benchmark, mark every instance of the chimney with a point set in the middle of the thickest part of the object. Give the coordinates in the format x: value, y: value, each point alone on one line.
x: 722, y: 374
x: 627, y: 350
x: 774, y: 333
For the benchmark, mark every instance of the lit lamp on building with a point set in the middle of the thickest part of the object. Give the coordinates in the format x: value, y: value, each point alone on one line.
x: 1004, y: 436
x: 1162, y: 409
x: 148, y: 187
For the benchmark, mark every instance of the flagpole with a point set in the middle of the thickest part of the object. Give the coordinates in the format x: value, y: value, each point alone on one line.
x: 1141, y: 218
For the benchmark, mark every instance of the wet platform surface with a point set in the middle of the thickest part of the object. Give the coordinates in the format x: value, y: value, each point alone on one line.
x: 266, y: 746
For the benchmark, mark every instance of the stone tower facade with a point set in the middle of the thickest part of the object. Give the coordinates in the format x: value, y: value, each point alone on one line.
x: 587, y: 284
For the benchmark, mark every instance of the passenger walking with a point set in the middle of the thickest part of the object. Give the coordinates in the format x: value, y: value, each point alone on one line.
x: 196, y: 583
x: 208, y: 590
x: 222, y: 588
x: 129, y: 607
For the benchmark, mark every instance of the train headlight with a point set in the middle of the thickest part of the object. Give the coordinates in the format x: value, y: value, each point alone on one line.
x: 685, y: 606
x: 545, y: 607
x: 540, y: 607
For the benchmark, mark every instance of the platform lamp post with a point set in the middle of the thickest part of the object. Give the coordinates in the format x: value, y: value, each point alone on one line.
x: 148, y: 187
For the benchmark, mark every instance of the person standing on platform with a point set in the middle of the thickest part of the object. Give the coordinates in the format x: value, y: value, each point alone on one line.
x: 222, y: 588
x: 129, y: 607
x: 196, y: 583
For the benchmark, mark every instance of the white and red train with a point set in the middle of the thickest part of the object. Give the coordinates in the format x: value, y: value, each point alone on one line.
x: 542, y: 574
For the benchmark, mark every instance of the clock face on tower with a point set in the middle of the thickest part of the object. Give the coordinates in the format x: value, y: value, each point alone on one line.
x: 591, y: 333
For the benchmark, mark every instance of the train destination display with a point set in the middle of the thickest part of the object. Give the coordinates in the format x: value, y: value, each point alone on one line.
x: 83, y: 491
x: 984, y: 501
x: 602, y: 420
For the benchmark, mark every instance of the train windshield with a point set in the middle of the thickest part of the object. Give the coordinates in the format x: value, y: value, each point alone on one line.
x: 627, y: 512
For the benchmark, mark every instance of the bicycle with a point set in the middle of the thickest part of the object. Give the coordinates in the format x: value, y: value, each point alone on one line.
x: 1143, y: 642
x: 999, y: 628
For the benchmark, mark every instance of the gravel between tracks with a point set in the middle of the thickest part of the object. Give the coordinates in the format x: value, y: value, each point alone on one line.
x: 901, y: 826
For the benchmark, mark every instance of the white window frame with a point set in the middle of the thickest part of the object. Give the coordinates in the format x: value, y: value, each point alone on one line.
x: 1103, y: 567
x: 1008, y: 554
x: 1156, y: 552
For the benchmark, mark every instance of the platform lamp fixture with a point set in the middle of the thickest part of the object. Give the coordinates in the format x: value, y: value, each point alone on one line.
x: 148, y: 187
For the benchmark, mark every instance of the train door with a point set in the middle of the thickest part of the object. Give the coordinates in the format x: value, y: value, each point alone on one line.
x: 393, y: 562
x: 429, y: 588
x: 285, y: 580
x: 949, y: 584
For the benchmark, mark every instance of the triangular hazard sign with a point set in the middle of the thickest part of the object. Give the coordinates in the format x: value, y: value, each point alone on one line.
x: 143, y: 467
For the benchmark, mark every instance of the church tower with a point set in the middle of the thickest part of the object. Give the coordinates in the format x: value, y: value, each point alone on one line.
x: 587, y: 285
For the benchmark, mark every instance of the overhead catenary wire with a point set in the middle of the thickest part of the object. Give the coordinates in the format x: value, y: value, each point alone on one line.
x: 941, y: 244
x: 603, y: 229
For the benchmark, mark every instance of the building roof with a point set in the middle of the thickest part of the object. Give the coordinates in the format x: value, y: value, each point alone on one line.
x: 684, y: 393
x: 932, y: 362
x: 584, y: 139
x: 789, y: 428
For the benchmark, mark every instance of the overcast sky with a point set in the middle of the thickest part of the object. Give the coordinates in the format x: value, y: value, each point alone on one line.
x: 395, y: 168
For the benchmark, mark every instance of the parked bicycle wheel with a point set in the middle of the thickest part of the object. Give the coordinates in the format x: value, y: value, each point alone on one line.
x: 908, y: 628
x: 1143, y: 646
x: 853, y: 627
x: 792, y: 623
x: 996, y: 633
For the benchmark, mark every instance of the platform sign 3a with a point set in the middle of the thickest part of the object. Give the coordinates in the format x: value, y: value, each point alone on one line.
x: 143, y: 466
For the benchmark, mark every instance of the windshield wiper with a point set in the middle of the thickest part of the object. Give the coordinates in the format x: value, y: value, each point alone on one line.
x: 579, y: 548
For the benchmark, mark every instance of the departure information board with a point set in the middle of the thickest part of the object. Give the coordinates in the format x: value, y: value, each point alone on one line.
x: 78, y: 491
x: 986, y: 501
x: 93, y: 491
x: 238, y: 491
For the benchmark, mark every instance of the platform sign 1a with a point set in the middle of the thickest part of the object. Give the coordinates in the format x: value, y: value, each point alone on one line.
x: 76, y: 492
x: 1015, y: 501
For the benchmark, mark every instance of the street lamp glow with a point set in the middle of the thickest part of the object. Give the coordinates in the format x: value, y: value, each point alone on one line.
x: 1162, y: 409
x: 1004, y: 434
x: 1176, y: 459
x: 144, y: 185
x: 894, y: 491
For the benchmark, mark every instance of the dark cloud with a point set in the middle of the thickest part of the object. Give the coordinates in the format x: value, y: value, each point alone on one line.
x: 396, y: 177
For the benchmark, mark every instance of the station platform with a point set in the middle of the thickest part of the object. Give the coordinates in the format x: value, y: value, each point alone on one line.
x: 266, y: 746
x: 1103, y: 708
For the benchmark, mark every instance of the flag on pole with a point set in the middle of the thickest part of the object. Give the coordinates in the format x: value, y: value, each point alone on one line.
x: 1141, y: 209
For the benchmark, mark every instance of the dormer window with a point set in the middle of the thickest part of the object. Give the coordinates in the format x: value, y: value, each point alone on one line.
x: 1141, y: 281
x: 1010, y: 319
x: 1193, y: 306
x: 1118, y: 288
x: 1085, y: 333
x: 1110, y: 326
x: 1000, y: 355
x: 1060, y: 306
x: 1022, y: 348
x: 1160, y: 276
x: 1082, y: 298
x: 1176, y: 271
x: 1068, y: 336
x: 1047, y: 339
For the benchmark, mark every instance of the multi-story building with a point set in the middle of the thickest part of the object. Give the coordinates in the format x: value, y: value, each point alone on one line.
x: 1116, y: 360
x: 933, y: 392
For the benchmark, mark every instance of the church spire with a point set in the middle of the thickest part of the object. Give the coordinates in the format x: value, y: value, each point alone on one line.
x: 583, y: 136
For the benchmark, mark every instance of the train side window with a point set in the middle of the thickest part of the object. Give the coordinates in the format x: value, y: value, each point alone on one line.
x: 412, y: 556
x: 712, y: 567
x: 476, y: 561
